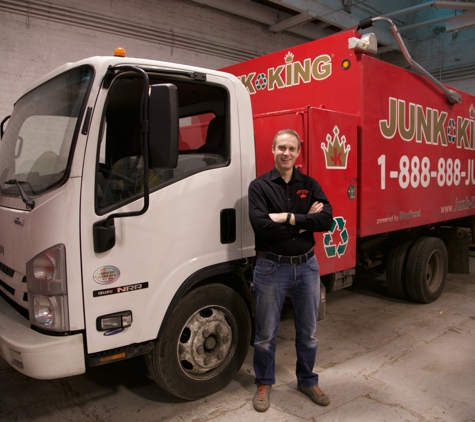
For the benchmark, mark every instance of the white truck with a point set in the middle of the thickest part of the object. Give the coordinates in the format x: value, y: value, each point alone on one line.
x: 97, y: 262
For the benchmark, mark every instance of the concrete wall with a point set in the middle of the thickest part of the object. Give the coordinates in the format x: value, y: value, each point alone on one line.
x: 37, y: 36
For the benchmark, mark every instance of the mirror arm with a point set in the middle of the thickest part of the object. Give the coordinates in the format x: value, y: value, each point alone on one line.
x: 104, y: 230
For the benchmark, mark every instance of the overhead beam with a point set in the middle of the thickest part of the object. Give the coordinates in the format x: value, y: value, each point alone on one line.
x: 409, y: 9
x: 422, y: 24
x: 438, y: 4
x: 465, y: 21
x: 459, y: 5
x: 265, y: 15
x: 291, y: 22
x: 330, y: 13
x: 320, y: 11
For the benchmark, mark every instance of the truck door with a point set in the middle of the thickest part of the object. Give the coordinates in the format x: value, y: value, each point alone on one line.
x: 332, y: 160
x: 180, y: 234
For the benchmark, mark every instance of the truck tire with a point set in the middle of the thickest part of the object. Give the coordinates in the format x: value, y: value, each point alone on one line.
x: 426, y: 269
x: 204, y: 343
x: 396, y: 269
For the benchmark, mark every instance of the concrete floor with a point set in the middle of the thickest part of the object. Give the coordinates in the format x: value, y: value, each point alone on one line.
x: 379, y: 359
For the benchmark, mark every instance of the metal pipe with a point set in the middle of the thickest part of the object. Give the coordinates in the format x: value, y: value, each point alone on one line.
x: 452, y: 96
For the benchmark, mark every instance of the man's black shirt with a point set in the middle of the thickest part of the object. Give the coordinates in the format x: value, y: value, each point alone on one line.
x: 270, y: 193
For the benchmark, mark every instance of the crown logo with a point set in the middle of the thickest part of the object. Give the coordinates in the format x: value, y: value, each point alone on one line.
x: 336, y: 151
x: 289, y: 57
x: 471, y: 111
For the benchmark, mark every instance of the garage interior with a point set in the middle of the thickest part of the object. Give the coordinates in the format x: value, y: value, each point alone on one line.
x: 380, y: 358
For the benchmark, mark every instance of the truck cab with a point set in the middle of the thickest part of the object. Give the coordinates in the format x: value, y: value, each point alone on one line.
x: 123, y: 223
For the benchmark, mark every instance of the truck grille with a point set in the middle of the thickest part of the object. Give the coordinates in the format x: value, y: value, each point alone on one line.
x: 7, y: 270
x: 13, y: 286
x: 9, y: 289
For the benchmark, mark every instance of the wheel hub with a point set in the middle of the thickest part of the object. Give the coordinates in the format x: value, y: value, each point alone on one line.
x: 205, y: 341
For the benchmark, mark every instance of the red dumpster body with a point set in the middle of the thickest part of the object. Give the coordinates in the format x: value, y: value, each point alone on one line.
x: 388, y: 148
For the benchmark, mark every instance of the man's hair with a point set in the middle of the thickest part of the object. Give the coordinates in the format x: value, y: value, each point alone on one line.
x: 288, y: 132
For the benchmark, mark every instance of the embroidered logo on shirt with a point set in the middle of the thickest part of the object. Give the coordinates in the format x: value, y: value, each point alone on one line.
x: 302, y: 193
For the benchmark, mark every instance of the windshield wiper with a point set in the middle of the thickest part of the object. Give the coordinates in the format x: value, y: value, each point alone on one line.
x: 30, y: 204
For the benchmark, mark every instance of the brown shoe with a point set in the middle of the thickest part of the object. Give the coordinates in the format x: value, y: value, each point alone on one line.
x: 315, y: 394
x: 261, y: 399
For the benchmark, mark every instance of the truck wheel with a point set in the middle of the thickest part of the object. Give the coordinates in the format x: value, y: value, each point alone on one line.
x: 204, y: 343
x: 396, y: 269
x: 426, y: 269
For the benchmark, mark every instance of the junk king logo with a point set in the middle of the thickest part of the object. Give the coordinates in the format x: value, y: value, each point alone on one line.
x: 336, y: 151
x: 415, y: 122
x: 289, y: 74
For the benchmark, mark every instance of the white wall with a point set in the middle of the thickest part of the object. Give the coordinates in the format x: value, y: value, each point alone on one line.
x: 36, y: 39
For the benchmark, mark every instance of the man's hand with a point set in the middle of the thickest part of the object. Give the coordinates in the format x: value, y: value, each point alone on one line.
x: 281, y: 217
x: 316, y: 207
x: 278, y: 217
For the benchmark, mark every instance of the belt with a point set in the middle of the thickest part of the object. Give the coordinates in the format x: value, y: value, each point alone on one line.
x: 283, y: 259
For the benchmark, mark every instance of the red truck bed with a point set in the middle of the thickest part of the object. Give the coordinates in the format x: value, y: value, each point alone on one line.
x: 369, y: 128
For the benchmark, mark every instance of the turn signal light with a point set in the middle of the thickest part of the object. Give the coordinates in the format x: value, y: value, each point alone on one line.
x: 117, y: 321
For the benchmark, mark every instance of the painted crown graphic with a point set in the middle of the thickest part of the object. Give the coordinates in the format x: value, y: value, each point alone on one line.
x: 336, y: 151
x: 472, y: 111
x: 289, y: 57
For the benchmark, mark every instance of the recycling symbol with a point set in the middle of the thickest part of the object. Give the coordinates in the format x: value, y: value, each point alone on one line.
x: 336, y: 240
x: 261, y: 81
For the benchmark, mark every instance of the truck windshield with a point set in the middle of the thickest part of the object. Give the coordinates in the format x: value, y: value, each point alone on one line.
x: 37, y: 144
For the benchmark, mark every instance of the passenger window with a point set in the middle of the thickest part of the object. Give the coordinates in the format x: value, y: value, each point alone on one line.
x: 203, y: 143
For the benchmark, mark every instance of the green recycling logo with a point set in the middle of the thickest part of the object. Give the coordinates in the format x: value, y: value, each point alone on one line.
x: 261, y: 81
x: 334, y: 246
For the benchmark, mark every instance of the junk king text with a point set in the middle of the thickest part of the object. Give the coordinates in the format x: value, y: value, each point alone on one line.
x: 417, y: 172
x: 413, y: 121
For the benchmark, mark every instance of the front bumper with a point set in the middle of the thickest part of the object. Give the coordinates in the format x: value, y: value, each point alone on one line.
x: 38, y: 355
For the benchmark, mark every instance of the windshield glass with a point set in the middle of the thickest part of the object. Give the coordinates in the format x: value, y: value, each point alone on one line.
x: 36, y: 147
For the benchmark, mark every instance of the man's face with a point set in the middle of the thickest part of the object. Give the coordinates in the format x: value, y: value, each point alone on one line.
x: 286, y: 151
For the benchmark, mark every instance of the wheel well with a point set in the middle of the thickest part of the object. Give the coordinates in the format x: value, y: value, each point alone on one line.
x: 373, y: 251
x: 230, y: 274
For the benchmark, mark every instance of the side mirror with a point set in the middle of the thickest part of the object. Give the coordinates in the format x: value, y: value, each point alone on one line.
x: 2, y: 131
x: 163, y: 126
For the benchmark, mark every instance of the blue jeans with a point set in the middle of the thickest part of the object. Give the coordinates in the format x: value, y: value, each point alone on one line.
x: 272, y: 282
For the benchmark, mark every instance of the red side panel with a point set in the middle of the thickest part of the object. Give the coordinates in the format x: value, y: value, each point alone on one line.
x: 417, y: 152
x: 310, y: 74
x: 412, y: 153
x: 333, y: 161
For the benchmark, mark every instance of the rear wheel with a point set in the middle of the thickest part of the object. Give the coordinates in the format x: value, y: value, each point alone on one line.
x: 426, y: 269
x: 396, y: 269
x: 204, y: 343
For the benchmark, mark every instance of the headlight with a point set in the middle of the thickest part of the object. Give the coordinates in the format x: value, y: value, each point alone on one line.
x: 47, y: 289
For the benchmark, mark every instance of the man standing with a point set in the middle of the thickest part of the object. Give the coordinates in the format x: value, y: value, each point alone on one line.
x: 285, y: 208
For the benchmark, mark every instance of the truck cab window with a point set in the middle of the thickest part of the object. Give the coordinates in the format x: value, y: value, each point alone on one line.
x: 39, y: 139
x: 203, y: 139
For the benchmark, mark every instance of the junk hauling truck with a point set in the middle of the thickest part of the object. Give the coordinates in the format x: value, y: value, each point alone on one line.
x: 124, y: 224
